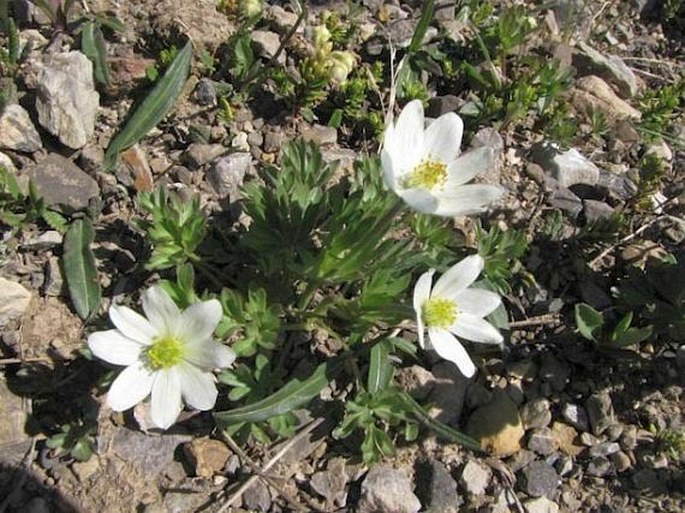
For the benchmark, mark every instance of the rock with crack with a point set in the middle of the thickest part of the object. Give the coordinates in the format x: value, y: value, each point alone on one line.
x: 17, y: 131
x: 611, y: 68
x: 66, y: 101
x: 387, y: 490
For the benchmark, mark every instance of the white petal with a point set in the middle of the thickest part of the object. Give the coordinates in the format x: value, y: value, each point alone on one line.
x: 198, y: 321
x: 130, y: 387
x: 466, y: 199
x: 160, y: 310
x: 113, y: 347
x: 209, y: 355
x: 166, y: 397
x: 476, y: 329
x: 443, y: 138
x: 419, y: 199
x: 458, y: 277
x: 468, y: 166
x: 477, y: 302
x: 449, y: 348
x: 422, y: 291
x: 197, y: 387
x: 388, y: 170
x: 132, y: 324
x: 408, y: 134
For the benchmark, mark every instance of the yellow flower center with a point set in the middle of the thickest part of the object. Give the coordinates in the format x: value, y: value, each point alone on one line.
x: 439, y: 312
x: 428, y: 174
x: 165, y: 352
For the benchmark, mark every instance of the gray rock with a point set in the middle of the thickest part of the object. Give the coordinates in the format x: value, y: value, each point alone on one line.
x: 62, y: 184
x: 540, y: 478
x: 477, y: 395
x: 611, y: 68
x: 568, y: 168
x: 199, y: 154
x: 597, y: 210
x: 417, y: 381
x: 621, y: 461
x: 439, y: 105
x: 565, y: 200
x: 437, y: 491
x: 267, y: 44
x: 182, y: 502
x: 227, y: 173
x: 600, y: 466
x: 14, y: 411
x: 554, y: 372
x: 331, y: 483
x: 150, y: 453
x: 541, y: 505
x: 66, y: 101
x: 564, y: 465
x: 401, y: 32
x: 542, y: 441
x: 37, y: 505
x: 53, y: 284
x: 91, y: 158
x: 7, y: 164
x: 44, y: 241
x: 618, y: 187
x: 387, y: 490
x: 604, y: 449
x: 490, y: 138
x: 257, y: 497
x: 575, y: 416
x: 255, y: 139
x: 273, y: 140
x: 600, y: 412
x: 343, y: 158
x: 281, y: 19
x: 17, y: 131
x: 205, y: 92
x: 593, y: 93
x: 536, y: 414
x: 449, y: 393
x: 475, y: 478
x: 14, y: 300
x: 321, y: 134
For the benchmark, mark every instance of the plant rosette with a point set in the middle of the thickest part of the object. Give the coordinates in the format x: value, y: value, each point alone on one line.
x: 169, y: 355
x: 424, y: 167
x: 453, y: 309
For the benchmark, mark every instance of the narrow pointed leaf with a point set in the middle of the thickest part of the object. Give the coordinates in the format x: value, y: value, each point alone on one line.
x: 439, y: 428
x: 293, y: 395
x: 93, y: 45
x: 79, y: 268
x: 380, y: 368
x: 154, y: 107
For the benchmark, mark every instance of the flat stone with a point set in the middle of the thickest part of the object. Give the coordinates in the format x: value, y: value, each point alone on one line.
x: 604, y: 449
x: 17, y: 131
x: 566, y: 167
x: 389, y: 490
x: 564, y: 199
x: 600, y: 412
x: 497, y: 426
x: 227, y: 173
x: 600, y: 466
x: 475, y: 478
x: 267, y: 44
x: 439, y: 105
x: 207, y: 456
x: 199, y: 154
x: 14, y: 300
x: 320, y: 135
x: 7, y: 164
x: 576, y: 416
x: 14, y: 412
x: 436, y: 488
x: 331, y: 483
x: 273, y: 140
x: 593, y: 93
x: 67, y: 102
x: 282, y: 20
x: 449, y: 393
x: 417, y: 381
x: 597, y: 211
x: 621, y: 461
x: 541, y: 505
x: 490, y: 138
x: 62, y: 184
x: 45, y: 240
x: 257, y: 497
x: 612, y: 68
x: 152, y: 454
x: 536, y: 414
x: 540, y: 478
x: 617, y: 187
x: 542, y: 441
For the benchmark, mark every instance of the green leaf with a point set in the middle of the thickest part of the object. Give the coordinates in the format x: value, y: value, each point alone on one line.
x: 380, y: 369
x: 438, y: 427
x: 93, y: 45
x: 293, y: 395
x: 79, y: 268
x: 422, y: 26
x: 589, y: 321
x: 155, y: 106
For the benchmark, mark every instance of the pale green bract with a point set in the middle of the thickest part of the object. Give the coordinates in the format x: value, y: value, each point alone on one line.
x: 451, y: 308
x: 169, y: 354
x: 424, y: 167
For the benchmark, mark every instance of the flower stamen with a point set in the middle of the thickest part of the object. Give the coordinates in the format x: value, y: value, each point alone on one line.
x: 165, y: 352
x: 439, y: 312
x: 428, y: 174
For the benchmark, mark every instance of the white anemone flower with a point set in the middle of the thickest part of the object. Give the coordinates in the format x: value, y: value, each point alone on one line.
x: 423, y: 165
x: 170, y: 355
x: 452, y: 309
